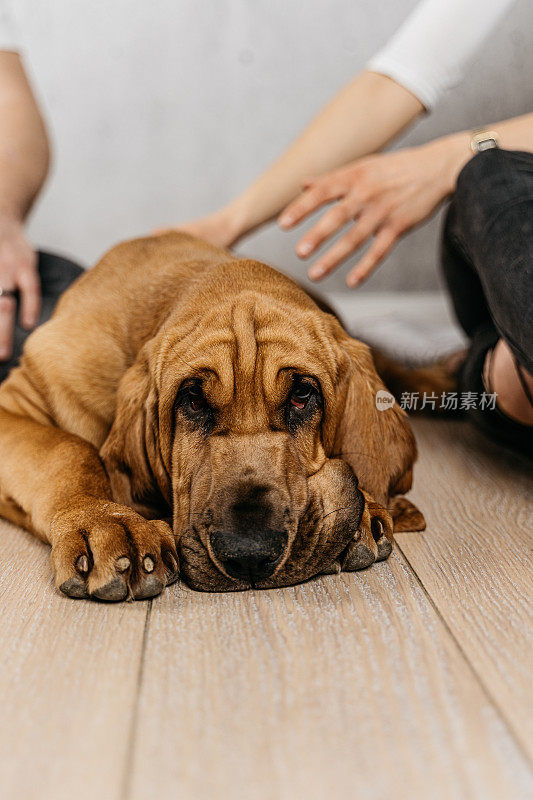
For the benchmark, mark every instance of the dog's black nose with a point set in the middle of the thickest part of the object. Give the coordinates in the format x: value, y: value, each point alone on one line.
x: 252, y: 556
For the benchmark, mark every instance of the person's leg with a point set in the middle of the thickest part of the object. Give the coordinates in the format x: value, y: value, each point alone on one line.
x: 493, y: 208
x: 462, y: 280
x: 56, y: 274
x: 487, y: 262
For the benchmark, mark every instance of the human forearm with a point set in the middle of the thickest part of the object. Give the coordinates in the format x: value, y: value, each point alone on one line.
x: 361, y: 119
x: 24, y: 148
x: 516, y: 133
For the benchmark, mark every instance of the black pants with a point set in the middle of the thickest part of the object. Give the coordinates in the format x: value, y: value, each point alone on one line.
x: 56, y: 275
x: 487, y: 260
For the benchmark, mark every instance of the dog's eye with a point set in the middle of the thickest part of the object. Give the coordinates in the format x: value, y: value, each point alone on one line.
x: 302, y: 403
x: 195, y: 399
x: 191, y: 398
x: 194, y: 406
x: 301, y: 395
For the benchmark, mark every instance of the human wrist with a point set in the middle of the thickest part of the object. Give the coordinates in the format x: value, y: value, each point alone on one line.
x: 258, y: 204
x: 10, y: 212
x: 237, y: 218
x: 453, y: 153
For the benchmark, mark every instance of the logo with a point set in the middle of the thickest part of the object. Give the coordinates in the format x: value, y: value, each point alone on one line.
x: 384, y: 400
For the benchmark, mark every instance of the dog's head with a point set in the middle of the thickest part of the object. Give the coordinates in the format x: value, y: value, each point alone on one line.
x: 252, y: 415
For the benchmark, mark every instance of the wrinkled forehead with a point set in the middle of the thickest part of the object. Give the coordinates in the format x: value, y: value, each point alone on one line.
x: 248, y: 345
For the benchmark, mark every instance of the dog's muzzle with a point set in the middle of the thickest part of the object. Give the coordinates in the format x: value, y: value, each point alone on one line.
x: 250, y: 557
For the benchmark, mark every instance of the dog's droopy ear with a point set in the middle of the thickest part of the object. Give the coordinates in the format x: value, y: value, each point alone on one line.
x: 131, y: 452
x: 373, y: 434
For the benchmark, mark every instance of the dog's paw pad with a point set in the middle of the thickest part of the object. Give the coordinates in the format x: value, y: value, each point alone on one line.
x: 74, y: 587
x: 359, y: 556
x: 113, y: 592
x: 150, y: 586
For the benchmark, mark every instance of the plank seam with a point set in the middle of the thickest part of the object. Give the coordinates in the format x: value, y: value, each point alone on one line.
x: 486, y: 691
x: 132, y: 733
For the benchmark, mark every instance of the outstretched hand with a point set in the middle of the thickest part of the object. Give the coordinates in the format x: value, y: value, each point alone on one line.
x: 382, y: 196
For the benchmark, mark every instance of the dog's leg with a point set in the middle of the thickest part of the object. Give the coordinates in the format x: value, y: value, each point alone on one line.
x: 56, y: 483
x: 374, y: 539
x: 13, y: 513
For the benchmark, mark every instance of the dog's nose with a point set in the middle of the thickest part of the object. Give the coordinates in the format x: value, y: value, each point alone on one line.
x: 251, y: 556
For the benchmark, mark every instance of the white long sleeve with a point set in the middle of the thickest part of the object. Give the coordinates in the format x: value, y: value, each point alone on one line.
x: 429, y: 52
x: 9, y: 37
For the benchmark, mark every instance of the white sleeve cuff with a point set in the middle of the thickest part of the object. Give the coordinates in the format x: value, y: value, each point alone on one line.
x: 410, y: 79
x: 428, y: 54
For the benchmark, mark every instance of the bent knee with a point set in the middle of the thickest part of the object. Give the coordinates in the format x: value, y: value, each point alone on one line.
x: 490, y: 184
x: 494, y: 171
x: 481, y: 170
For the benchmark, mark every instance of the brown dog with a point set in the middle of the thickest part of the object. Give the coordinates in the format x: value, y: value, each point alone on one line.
x: 185, y: 412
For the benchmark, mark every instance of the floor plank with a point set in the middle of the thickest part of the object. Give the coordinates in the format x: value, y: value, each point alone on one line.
x: 68, y: 680
x: 348, y: 686
x: 474, y: 559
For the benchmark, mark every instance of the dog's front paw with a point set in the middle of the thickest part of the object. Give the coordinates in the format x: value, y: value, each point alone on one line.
x: 109, y: 552
x: 374, y: 539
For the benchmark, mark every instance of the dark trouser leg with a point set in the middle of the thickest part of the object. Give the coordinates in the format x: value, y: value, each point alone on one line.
x: 56, y: 275
x: 462, y: 280
x: 487, y: 261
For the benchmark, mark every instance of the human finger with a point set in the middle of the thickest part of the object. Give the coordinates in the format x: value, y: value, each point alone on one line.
x: 380, y: 247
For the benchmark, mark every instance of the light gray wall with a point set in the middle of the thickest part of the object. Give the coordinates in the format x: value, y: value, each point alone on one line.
x: 162, y: 110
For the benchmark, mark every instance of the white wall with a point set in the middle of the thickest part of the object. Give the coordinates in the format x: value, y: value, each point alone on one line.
x: 162, y: 110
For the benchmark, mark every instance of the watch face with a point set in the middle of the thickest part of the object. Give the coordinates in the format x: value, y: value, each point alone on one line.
x: 483, y: 140
x: 486, y: 144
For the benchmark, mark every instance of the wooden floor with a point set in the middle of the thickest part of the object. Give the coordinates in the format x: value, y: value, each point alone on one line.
x: 412, y: 679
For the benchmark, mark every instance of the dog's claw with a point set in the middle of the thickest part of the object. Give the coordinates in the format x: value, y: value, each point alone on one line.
x: 82, y: 564
x: 148, y: 564
x: 172, y: 578
x: 123, y: 564
x: 383, y: 543
x: 384, y: 548
x: 170, y: 561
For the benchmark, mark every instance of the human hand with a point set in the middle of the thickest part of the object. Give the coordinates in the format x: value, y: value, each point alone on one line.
x: 383, y: 196
x: 18, y: 271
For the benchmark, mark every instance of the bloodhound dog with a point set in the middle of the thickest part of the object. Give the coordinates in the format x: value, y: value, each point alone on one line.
x: 186, y: 413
